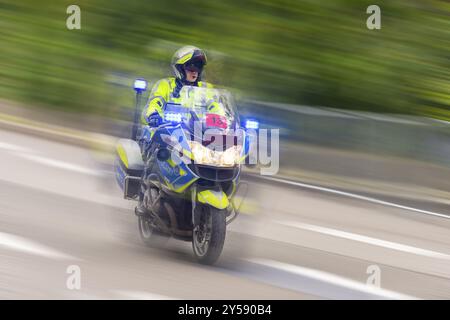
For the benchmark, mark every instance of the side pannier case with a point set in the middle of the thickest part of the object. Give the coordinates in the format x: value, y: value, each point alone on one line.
x: 128, y: 166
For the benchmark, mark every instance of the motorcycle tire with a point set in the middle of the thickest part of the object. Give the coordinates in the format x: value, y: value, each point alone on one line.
x: 208, y: 237
x: 149, y: 235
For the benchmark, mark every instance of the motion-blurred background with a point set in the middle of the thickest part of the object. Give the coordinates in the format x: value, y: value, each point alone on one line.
x: 364, y: 112
x: 317, y: 53
x: 303, y: 66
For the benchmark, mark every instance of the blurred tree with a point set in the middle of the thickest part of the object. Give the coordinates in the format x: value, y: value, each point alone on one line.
x: 305, y: 51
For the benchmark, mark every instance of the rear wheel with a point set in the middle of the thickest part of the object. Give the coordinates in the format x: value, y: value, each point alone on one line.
x: 149, y: 234
x: 208, y: 236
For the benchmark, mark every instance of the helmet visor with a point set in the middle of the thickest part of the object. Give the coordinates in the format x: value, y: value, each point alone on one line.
x: 194, y: 66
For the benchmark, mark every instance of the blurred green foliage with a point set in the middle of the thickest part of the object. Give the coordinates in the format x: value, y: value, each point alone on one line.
x: 313, y: 52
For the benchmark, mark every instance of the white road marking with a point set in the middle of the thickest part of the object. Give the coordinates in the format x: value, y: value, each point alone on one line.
x: 356, y: 196
x: 110, y: 198
x: 332, y: 279
x: 441, y: 121
x: 366, y: 239
x: 140, y: 295
x: 60, y: 164
x: 13, y: 147
x: 29, y: 155
x: 17, y: 243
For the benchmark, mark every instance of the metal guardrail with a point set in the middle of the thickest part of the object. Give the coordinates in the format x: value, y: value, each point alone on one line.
x: 411, y: 137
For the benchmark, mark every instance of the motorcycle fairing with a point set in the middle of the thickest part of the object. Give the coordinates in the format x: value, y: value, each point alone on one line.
x: 176, y: 173
x: 177, y: 177
x: 217, y: 199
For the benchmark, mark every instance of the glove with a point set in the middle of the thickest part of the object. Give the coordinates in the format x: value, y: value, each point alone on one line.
x: 154, y: 120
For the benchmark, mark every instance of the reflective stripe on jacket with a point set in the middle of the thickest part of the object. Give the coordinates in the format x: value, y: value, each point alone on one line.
x: 162, y: 92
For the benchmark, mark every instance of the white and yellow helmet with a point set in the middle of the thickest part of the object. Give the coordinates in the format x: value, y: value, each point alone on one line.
x: 188, y: 56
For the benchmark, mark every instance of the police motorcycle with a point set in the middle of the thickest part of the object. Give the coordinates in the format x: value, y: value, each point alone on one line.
x: 186, y: 172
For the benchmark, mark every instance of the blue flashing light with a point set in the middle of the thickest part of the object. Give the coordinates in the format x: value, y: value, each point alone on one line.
x: 172, y: 117
x: 140, y: 85
x: 251, y: 124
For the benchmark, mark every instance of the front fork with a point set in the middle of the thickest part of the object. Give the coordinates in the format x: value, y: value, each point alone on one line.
x: 194, y: 202
x: 219, y: 200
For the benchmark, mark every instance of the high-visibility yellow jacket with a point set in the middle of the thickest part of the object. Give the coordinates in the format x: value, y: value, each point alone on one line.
x: 161, y: 93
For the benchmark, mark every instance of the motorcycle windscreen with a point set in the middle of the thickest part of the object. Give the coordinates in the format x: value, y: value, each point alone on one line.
x: 213, y: 107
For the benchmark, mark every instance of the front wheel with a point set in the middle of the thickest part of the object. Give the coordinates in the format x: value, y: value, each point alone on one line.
x: 208, y: 236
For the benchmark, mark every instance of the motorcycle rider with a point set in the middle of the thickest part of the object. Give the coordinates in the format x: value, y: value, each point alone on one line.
x: 187, y: 64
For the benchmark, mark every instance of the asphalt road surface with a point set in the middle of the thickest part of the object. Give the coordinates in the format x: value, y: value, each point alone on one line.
x: 64, y: 223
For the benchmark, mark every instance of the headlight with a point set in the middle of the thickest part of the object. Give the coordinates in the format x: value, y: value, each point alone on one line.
x: 207, y: 156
